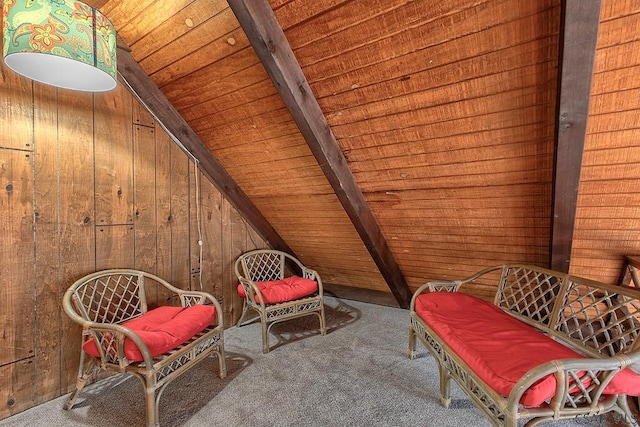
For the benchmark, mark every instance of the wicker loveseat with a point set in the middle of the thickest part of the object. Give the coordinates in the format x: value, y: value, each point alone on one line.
x: 156, y: 346
x: 551, y: 345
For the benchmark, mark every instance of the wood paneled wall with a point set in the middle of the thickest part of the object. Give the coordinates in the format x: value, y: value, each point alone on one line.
x: 91, y: 182
x: 608, y: 218
x: 445, y: 113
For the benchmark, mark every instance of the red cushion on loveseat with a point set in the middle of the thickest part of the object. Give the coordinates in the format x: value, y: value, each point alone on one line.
x: 499, y: 348
x: 287, y: 289
x: 162, y: 329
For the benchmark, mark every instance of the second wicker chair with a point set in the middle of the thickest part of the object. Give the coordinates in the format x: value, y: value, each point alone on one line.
x: 278, y: 287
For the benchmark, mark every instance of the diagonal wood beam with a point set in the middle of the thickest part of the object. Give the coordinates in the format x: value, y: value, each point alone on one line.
x: 578, y: 38
x: 268, y: 40
x: 169, y: 117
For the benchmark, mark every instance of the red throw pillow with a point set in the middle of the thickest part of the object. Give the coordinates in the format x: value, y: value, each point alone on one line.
x: 162, y: 329
x: 287, y: 289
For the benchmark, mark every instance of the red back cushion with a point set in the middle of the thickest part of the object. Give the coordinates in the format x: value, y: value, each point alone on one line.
x: 499, y: 348
x: 287, y: 289
x: 162, y: 329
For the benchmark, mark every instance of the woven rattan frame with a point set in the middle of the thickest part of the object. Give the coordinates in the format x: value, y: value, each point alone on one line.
x: 597, y: 320
x: 267, y: 265
x: 102, y: 301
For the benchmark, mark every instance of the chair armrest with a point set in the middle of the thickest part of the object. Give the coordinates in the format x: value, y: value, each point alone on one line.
x: 189, y: 298
x: 574, y: 380
x: 251, y: 290
x: 109, y: 339
x: 308, y: 273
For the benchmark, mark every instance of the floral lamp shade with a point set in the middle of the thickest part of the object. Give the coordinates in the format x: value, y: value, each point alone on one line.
x: 64, y: 43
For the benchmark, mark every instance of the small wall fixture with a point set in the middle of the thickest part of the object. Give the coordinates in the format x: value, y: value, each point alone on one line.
x: 63, y: 43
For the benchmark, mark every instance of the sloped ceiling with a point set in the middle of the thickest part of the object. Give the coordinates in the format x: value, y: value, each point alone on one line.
x: 444, y: 112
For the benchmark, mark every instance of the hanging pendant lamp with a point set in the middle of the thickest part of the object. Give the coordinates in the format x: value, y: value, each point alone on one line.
x: 63, y: 43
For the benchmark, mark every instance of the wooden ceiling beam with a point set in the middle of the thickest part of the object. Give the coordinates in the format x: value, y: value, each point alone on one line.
x: 578, y: 37
x: 270, y: 44
x: 173, y: 122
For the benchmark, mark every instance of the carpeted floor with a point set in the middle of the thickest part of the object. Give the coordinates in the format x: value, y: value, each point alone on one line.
x: 357, y: 375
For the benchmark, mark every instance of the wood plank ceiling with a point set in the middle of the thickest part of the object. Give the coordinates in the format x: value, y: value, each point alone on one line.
x: 443, y: 110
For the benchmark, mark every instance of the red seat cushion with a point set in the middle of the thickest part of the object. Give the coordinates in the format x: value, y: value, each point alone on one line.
x: 162, y: 329
x: 499, y: 348
x: 287, y: 289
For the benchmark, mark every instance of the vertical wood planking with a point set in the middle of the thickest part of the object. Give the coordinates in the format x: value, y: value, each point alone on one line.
x: 16, y: 122
x: 145, y: 212
x: 17, y: 343
x: 231, y: 307
x: 16, y: 387
x: 180, y: 226
x: 212, y: 238
x: 141, y: 115
x: 115, y: 246
x: 47, y: 257
x: 237, y: 247
x: 16, y: 236
x: 195, y: 200
x: 254, y: 240
x: 17, y: 315
x: 144, y: 178
x: 114, y: 157
x: 77, y: 215
x: 163, y: 208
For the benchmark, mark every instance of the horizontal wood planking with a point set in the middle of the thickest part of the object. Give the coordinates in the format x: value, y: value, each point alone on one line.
x: 190, y: 42
x: 392, y: 61
x: 236, y: 133
x: 193, y: 78
x: 415, y: 142
x: 151, y: 19
x: 607, y: 221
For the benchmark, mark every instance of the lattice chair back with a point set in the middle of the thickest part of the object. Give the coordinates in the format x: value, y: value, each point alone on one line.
x: 262, y: 265
x: 602, y: 318
x: 528, y: 292
x: 108, y: 297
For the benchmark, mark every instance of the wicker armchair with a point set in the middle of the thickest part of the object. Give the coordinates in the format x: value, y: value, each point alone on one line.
x: 260, y: 273
x: 155, y: 346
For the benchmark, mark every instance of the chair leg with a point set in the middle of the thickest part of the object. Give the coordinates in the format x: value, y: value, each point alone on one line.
x: 245, y: 308
x: 412, y: 343
x: 626, y: 411
x: 323, y: 323
x: 222, y: 363
x: 265, y: 333
x: 86, y: 374
x: 151, y: 403
x: 445, y: 385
